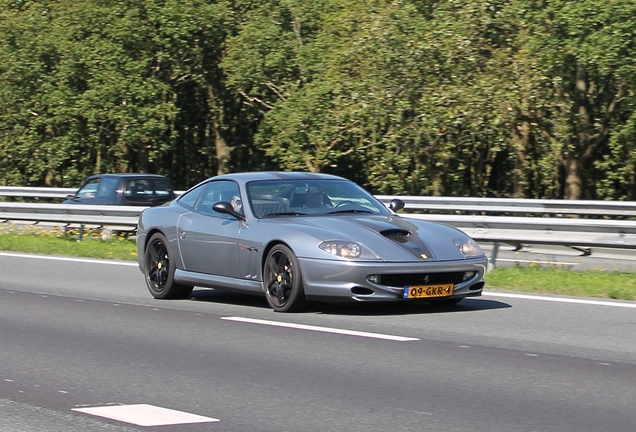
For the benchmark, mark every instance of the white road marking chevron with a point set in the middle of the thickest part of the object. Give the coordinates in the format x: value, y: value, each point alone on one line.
x: 145, y: 415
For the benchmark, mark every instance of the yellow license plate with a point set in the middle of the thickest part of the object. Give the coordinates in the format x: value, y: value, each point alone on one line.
x: 428, y: 291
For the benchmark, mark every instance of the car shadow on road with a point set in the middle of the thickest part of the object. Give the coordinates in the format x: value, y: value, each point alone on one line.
x: 409, y: 308
x: 228, y: 297
x: 357, y: 309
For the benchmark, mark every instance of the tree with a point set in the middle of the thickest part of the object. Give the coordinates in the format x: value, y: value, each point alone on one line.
x: 94, y: 105
x: 585, y: 66
x: 114, y: 86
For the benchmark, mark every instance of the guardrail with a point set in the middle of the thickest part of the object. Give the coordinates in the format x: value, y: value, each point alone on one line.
x: 516, y: 206
x: 544, y: 222
x: 65, y: 214
x: 591, y: 227
x: 122, y: 218
x: 36, y: 192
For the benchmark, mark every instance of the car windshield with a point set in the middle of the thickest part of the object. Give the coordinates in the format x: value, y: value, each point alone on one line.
x: 275, y: 198
x: 88, y: 190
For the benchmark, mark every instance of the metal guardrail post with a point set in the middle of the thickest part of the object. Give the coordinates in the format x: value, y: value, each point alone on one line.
x: 493, y: 256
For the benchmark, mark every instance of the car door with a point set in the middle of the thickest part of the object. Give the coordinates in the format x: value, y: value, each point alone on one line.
x: 208, y: 240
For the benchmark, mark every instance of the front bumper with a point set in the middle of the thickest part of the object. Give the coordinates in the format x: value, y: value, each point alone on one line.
x: 348, y: 280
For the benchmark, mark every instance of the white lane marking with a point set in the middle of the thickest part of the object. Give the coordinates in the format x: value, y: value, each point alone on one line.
x: 145, y: 415
x: 488, y: 293
x: 82, y: 260
x: 560, y: 299
x: 321, y: 329
x: 538, y: 262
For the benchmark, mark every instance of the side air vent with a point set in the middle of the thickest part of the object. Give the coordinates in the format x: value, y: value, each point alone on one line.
x: 392, y: 233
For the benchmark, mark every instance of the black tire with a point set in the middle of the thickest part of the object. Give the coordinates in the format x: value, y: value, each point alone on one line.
x: 282, y: 281
x: 159, y: 270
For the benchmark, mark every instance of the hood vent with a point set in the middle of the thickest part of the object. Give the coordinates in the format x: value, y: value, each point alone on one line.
x: 395, y: 233
x: 412, y: 243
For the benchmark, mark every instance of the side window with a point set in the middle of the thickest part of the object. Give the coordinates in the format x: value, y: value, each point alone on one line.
x: 89, y: 190
x: 190, y: 198
x: 218, y: 191
x: 138, y: 188
x: 148, y: 191
x: 107, y: 187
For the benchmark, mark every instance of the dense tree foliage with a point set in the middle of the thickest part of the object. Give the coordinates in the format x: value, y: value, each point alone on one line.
x: 524, y: 98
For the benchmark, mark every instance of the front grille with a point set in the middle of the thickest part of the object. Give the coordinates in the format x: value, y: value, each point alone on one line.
x: 401, y: 280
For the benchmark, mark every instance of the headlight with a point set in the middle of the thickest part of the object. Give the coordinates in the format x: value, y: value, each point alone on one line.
x: 468, y: 247
x: 346, y: 249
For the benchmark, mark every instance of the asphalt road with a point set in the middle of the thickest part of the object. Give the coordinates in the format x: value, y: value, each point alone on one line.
x: 82, y: 342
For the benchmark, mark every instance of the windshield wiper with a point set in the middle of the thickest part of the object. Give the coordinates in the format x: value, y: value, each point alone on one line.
x: 283, y: 214
x: 350, y: 211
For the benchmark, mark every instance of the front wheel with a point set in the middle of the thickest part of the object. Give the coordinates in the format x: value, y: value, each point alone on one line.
x: 282, y: 281
x: 159, y: 268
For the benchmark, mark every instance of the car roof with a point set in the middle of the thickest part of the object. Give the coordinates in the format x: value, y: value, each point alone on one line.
x: 245, y: 177
x: 126, y: 176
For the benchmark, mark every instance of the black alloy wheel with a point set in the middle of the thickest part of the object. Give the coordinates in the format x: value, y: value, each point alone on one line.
x: 282, y: 280
x: 159, y: 271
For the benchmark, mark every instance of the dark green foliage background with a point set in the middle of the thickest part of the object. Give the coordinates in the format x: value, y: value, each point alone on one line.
x: 530, y: 99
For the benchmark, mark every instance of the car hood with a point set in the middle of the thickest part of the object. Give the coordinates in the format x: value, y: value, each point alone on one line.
x: 391, y: 238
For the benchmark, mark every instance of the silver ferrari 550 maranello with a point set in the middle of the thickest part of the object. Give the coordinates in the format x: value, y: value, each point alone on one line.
x: 297, y: 237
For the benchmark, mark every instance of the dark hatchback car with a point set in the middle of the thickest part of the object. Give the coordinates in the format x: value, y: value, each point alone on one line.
x: 124, y: 189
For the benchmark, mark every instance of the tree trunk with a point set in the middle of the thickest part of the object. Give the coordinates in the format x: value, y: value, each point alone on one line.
x: 583, y: 123
x: 142, y: 159
x: 223, y: 150
x: 520, y: 140
x: 573, y: 182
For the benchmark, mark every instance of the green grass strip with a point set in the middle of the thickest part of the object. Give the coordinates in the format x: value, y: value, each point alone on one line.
x: 588, y: 283
x: 58, y: 242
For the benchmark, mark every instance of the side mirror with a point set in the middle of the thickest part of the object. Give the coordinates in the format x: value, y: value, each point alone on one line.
x: 396, y: 204
x: 71, y: 197
x: 226, y: 207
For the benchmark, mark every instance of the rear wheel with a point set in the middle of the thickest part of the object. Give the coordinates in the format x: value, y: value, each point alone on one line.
x: 282, y: 281
x: 159, y: 270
